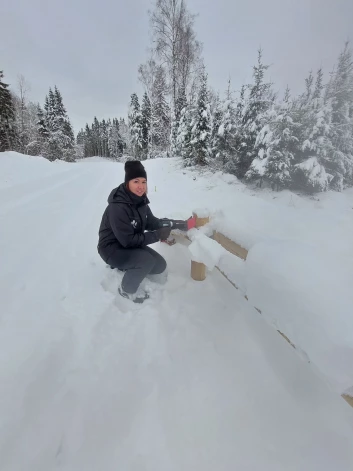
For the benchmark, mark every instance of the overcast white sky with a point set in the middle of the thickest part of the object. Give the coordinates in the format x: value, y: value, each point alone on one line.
x: 91, y: 49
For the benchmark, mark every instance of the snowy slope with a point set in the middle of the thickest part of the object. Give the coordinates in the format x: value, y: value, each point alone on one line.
x: 300, y: 266
x: 18, y: 168
x: 195, y: 379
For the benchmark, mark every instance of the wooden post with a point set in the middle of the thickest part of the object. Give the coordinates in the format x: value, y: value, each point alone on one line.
x: 198, y: 270
x: 201, y: 221
x: 229, y: 245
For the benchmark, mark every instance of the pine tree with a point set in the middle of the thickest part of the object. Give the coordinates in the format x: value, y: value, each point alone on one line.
x: 80, y: 138
x: 226, y: 133
x: 339, y: 95
x: 201, y: 129
x: 42, y: 133
x: 125, y: 134
x: 80, y: 144
x: 184, y: 134
x: 216, y: 119
x: 313, y: 170
x: 59, y: 110
x: 173, y: 137
x: 146, y: 124
x: 61, y: 142
x: 32, y: 126
x: 7, y: 117
x: 96, y: 138
x: 233, y: 157
x: 104, y: 139
x: 135, y: 126
x: 89, y: 144
x: 254, y: 114
x: 115, y: 142
x: 69, y: 146
x: 49, y: 108
x: 310, y: 118
x: 277, y: 146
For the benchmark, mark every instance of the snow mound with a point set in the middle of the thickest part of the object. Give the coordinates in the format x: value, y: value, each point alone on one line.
x: 193, y: 379
x: 18, y: 168
x: 309, y: 297
x: 205, y: 250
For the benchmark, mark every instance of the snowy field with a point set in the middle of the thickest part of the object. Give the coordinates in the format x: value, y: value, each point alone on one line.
x: 196, y: 378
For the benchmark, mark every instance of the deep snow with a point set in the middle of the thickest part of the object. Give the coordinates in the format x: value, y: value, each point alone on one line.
x: 196, y: 379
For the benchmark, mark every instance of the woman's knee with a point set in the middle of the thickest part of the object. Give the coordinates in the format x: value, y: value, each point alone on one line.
x: 160, y: 265
x: 146, y: 260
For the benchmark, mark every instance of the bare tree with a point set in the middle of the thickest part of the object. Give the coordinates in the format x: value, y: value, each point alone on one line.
x: 175, y: 42
x: 147, y: 75
x: 21, y: 112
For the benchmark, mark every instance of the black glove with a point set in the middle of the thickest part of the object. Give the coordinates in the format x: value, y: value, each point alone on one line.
x: 164, y: 233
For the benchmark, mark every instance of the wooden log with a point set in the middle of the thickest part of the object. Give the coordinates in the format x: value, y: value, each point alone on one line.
x: 201, y: 221
x: 349, y: 399
x: 198, y: 271
x: 230, y: 245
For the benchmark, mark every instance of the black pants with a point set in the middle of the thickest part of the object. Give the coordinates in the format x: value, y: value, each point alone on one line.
x: 138, y: 263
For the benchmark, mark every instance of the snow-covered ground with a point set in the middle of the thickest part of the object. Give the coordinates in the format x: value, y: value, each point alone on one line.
x: 196, y: 378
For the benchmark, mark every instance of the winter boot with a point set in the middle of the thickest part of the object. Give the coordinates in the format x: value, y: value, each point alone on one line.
x: 138, y: 297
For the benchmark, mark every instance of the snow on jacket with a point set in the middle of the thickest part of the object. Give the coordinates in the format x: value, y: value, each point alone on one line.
x: 125, y: 221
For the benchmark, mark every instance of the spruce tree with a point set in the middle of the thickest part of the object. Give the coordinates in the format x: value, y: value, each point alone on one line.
x: 254, y: 115
x: 59, y: 110
x: 42, y: 133
x: 49, y: 108
x: 227, y: 132
x: 146, y: 124
x: 314, y: 171
x: 96, y: 137
x: 89, y: 143
x: 201, y: 128
x: 277, y: 146
x: 339, y: 95
x: 135, y: 127
x: 124, y: 133
x: 105, y: 138
x: 216, y: 120
x: 183, y: 146
x: 7, y: 117
x: 311, y: 115
x: 115, y: 142
x: 61, y: 142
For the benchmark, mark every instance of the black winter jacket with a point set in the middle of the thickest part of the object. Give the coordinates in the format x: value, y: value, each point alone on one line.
x: 125, y: 221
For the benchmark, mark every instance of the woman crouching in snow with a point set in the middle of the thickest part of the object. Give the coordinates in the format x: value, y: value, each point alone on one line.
x: 122, y: 238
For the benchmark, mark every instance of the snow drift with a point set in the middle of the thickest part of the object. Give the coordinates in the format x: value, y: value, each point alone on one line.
x: 193, y: 379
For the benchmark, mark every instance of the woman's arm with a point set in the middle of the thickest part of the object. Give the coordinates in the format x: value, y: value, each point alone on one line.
x: 152, y: 221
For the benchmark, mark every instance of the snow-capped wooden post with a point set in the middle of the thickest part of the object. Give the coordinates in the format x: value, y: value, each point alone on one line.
x: 201, y: 221
x: 198, y: 270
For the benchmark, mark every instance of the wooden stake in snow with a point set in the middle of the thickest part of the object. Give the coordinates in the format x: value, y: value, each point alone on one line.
x: 198, y: 270
x: 201, y: 221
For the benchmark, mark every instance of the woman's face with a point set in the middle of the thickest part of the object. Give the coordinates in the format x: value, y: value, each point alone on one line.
x: 138, y: 186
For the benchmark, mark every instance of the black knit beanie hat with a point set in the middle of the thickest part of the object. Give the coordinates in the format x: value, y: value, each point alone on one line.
x: 134, y: 169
